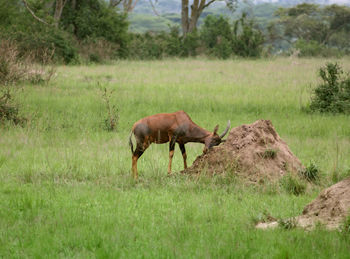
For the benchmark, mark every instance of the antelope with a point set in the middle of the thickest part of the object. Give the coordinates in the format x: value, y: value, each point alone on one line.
x: 174, y: 128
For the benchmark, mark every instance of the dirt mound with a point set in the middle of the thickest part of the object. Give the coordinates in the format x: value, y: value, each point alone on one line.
x: 329, y: 208
x: 255, y: 152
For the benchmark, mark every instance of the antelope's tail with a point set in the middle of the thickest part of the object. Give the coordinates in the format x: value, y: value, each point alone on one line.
x: 130, y: 143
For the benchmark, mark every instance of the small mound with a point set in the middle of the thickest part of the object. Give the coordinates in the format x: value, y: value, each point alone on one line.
x: 254, y: 151
x: 329, y: 208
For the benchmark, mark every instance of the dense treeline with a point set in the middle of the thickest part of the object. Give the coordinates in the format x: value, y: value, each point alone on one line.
x: 94, y: 31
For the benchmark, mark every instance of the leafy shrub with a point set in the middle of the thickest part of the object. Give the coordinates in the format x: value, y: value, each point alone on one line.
x: 8, y: 107
x: 216, y: 35
x: 222, y: 49
x: 345, y: 227
x: 292, y: 184
x: 15, y: 68
x: 308, y: 48
x: 248, y: 40
x: 190, y: 44
x: 41, y: 38
x: 97, y: 50
x: 333, y: 95
x: 147, y: 46
x: 11, y: 69
x: 314, y: 49
x: 95, y: 19
x: 311, y: 172
x: 174, y: 42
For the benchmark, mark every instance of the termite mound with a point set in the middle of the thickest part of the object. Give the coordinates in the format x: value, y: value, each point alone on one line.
x: 254, y: 152
x: 329, y: 209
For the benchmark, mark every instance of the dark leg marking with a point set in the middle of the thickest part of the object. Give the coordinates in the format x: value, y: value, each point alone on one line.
x: 184, y: 156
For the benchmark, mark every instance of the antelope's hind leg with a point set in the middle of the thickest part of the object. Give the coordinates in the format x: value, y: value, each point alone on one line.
x: 140, y: 149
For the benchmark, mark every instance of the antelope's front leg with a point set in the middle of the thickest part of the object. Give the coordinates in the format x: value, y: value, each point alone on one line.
x: 171, y: 152
x: 184, y: 156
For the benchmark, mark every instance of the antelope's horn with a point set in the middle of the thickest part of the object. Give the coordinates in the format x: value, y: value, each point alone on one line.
x: 226, y: 130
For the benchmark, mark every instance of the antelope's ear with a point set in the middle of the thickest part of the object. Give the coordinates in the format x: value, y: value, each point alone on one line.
x: 216, y: 129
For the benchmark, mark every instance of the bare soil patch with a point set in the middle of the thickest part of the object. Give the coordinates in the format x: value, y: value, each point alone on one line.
x: 254, y: 151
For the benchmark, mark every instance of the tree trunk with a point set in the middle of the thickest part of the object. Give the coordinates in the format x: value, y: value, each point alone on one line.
x: 189, y: 24
x: 184, y: 17
x: 58, y: 11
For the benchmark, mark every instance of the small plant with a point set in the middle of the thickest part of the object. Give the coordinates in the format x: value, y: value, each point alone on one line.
x: 293, y: 185
x: 333, y: 95
x: 311, y: 172
x: 111, y: 122
x: 287, y: 223
x: 345, y: 227
x: 269, y: 153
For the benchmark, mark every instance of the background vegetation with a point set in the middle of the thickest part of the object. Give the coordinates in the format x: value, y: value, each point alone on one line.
x: 97, y: 31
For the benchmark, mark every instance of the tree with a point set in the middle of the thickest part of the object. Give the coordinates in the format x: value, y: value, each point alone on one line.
x: 59, y: 5
x: 128, y: 5
x: 189, y: 19
x: 310, y: 23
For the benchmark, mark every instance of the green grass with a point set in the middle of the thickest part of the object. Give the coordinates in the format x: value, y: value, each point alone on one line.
x: 65, y: 185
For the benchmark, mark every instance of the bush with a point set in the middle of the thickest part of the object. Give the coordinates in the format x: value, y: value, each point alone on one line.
x: 248, y: 40
x: 292, y: 184
x: 11, y: 70
x: 147, y: 46
x: 97, y: 50
x: 345, y: 227
x: 311, y: 172
x: 333, y: 95
x: 314, y: 49
x: 190, y: 44
x: 15, y: 68
x: 216, y: 31
x: 45, y: 38
x: 8, y: 107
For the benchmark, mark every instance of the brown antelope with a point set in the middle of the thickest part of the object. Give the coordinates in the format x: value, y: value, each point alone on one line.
x: 173, y: 127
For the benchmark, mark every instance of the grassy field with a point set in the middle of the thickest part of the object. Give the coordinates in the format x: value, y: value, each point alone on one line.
x: 65, y: 185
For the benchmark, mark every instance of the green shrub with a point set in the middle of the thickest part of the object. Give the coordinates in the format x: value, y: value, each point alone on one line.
x: 8, y: 107
x: 311, y: 172
x: 216, y: 31
x: 247, y: 38
x: 173, y: 42
x: 190, y: 44
x: 292, y: 184
x: 333, y: 95
x: 345, y: 227
x: 308, y: 48
x: 46, y: 38
x: 222, y: 48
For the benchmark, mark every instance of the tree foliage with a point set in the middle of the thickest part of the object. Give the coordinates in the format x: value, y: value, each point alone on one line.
x: 313, y: 25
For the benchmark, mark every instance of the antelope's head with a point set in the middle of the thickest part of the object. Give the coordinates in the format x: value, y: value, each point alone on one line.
x: 214, y: 139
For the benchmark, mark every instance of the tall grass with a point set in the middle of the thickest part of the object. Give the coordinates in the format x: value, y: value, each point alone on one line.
x: 65, y: 185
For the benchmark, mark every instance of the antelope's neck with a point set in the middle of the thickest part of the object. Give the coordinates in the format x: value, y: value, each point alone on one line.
x: 198, y: 134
